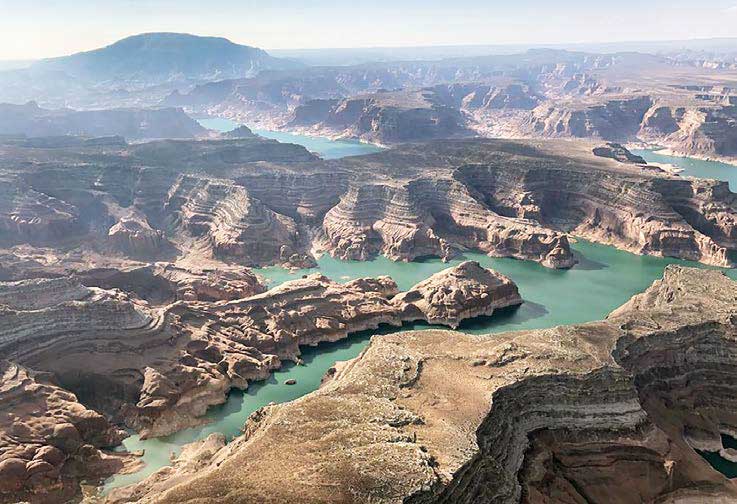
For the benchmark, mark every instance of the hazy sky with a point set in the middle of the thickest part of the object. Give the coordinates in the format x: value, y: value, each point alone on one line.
x: 38, y: 28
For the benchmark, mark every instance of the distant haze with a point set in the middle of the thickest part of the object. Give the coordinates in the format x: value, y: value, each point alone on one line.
x: 32, y: 29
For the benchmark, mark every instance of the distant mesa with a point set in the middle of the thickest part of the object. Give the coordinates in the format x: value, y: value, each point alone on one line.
x: 138, y: 70
x: 162, y: 57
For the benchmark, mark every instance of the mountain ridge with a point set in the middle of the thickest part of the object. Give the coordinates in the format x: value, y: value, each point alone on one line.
x: 168, y: 55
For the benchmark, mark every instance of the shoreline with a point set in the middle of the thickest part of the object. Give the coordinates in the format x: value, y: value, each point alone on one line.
x: 667, y: 151
x: 732, y: 161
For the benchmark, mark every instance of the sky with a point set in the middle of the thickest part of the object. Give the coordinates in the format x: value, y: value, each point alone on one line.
x: 32, y: 29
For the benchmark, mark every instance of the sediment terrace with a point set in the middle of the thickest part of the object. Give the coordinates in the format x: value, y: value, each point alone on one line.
x: 599, y: 412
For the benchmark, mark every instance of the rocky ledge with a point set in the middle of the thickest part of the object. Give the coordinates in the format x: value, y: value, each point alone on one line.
x: 158, y: 367
x: 48, y: 440
x: 248, y: 201
x: 598, y: 412
x: 456, y: 294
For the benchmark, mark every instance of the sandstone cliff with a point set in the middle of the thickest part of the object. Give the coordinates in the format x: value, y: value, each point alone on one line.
x: 157, y: 367
x: 48, y: 439
x: 588, y: 413
x: 228, y: 203
x: 384, y: 117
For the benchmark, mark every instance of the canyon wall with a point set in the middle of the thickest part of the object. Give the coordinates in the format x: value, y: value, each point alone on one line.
x: 599, y: 412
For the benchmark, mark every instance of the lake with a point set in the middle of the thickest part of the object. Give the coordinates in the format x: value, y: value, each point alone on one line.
x: 324, y: 147
x: 603, y: 279
x: 694, y: 167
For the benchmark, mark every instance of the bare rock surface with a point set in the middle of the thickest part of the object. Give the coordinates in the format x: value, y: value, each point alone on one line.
x: 156, y: 365
x: 219, y: 204
x: 133, y: 235
x: 455, y: 294
x: 48, y: 439
x: 588, y: 413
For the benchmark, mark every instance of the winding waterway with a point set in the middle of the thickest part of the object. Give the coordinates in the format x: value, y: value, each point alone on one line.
x: 603, y: 279
x: 324, y: 147
x: 694, y: 167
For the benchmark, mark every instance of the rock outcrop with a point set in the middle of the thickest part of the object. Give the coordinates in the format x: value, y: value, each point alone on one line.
x: 589, y: 413
x: 132, y: 235
x: 233, y: 224
x: 48, y: 440
x: 617, y: 119
x: 384, y: 117
x: 157, y: 367
x: 455, y: 294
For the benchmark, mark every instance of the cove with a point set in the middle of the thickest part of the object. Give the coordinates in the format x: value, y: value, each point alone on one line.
x: 603, y: 279
x: 724, y: 466
x: 324, y: 147
x: 694, y: 167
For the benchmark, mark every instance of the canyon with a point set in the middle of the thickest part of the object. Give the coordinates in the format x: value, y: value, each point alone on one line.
x: 567, y: 414
x: 226, y: 203
x: 133, y: 258
x: 157, y: 368
x: 154, y: 272
x: 685, y: 107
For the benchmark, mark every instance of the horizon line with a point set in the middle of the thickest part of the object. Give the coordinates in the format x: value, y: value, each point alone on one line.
x: 528, y: 45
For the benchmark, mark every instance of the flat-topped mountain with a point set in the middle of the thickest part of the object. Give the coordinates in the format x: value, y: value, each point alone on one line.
x: 162, y: 57
x: 141, y: 69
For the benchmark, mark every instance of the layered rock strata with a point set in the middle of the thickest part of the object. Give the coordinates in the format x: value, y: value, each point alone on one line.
x: 158, y: 368
x: 218, y: 204
x: 234, y: 224
x: 589, y: 413
x: 455, y: 294
x: 48, y: 440
x: 384, y: 117
x: 687, y: 107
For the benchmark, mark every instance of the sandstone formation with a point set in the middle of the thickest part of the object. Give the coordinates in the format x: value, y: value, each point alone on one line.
x: 233, y: 224
x: 589, y: 413
x: 251, y: 202
x: 671, y: 101
x: 48, y: 440
x: 384, y: 117
x: 618, y: 152
x: 132, y: 235
x: 133, y: 124
x: 455, y: 294
x: 158, y: 366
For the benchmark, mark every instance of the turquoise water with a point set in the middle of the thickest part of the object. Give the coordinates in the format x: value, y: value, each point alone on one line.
x: 695, y: 167
x: 229, y: 418
x: 603, y: 279
x: 324, y: 147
